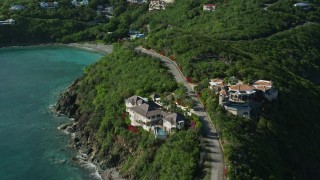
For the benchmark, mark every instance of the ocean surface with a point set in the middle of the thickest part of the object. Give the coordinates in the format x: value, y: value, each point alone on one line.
x: 31, y: 79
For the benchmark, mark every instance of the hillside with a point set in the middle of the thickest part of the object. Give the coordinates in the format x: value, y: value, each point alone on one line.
x: 246, y: 39
x: 66, y: 23
x: 103, y: 128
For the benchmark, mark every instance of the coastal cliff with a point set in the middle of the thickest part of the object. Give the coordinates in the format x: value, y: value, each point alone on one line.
x: 99, y: 124
x: 67, y: 103
x: 82, y: 139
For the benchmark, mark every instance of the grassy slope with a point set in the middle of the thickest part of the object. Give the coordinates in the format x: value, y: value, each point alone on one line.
x: 243, y: 40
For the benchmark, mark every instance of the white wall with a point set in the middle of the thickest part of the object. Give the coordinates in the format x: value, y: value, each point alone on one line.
x: 168, y: 1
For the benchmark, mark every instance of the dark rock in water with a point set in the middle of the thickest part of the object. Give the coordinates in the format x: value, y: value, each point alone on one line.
x: 67, y: 102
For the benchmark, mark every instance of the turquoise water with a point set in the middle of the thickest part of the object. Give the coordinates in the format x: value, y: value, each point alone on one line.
x: 161, y: 132
x: 31, y: 78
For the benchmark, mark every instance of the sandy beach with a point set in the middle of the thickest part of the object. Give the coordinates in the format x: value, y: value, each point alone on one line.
x: 90, y: 46
x: 102, y: 48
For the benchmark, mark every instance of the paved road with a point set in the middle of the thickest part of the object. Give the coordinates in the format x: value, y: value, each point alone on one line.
x: 214, y: 164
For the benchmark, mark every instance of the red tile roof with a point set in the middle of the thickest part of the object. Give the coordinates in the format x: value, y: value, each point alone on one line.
x: 217, y: 80
x: 263, y: 83
x: 262, y: 88
x: 241, y: 88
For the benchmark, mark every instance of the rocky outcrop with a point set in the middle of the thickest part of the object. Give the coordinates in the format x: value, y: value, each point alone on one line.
x: 67, y: 102
x: 83, y: 139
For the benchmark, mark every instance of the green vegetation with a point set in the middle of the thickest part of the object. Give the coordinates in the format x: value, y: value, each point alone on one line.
x: 241, y: 38
x: 103, y: 90
x: 177, y: 158
x: 66, y: 23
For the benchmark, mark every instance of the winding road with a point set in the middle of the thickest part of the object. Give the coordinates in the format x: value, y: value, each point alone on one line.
x: 213, y: 160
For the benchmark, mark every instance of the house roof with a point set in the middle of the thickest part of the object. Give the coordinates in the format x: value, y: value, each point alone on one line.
x: 242, y: 87
x: 216, y: 82
x: 262, y: 88
x: 173, y: 118
x: 263, y: 85
x: 146, y: 110
x: 136, y: 100
x: 210, y: 5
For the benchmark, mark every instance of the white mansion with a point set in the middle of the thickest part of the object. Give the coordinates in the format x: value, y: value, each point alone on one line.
x: 150, y: 115
x: 237, y: 98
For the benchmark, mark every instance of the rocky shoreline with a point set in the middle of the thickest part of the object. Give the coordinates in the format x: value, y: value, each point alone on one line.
x: 81, y: 139
x: 86, y: 154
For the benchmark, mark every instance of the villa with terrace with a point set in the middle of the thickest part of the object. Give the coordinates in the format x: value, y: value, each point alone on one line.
x: 159, y: 4
x: 209, y: 7
x: 49, y: 5
x: 241, y: 93
x: 269, y: 92
x: 17, y: 7
x: 150, y: 116
x: 7, y: 22
x: 237, y: 99
x: 80, y: 3
x: 106, y: 11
